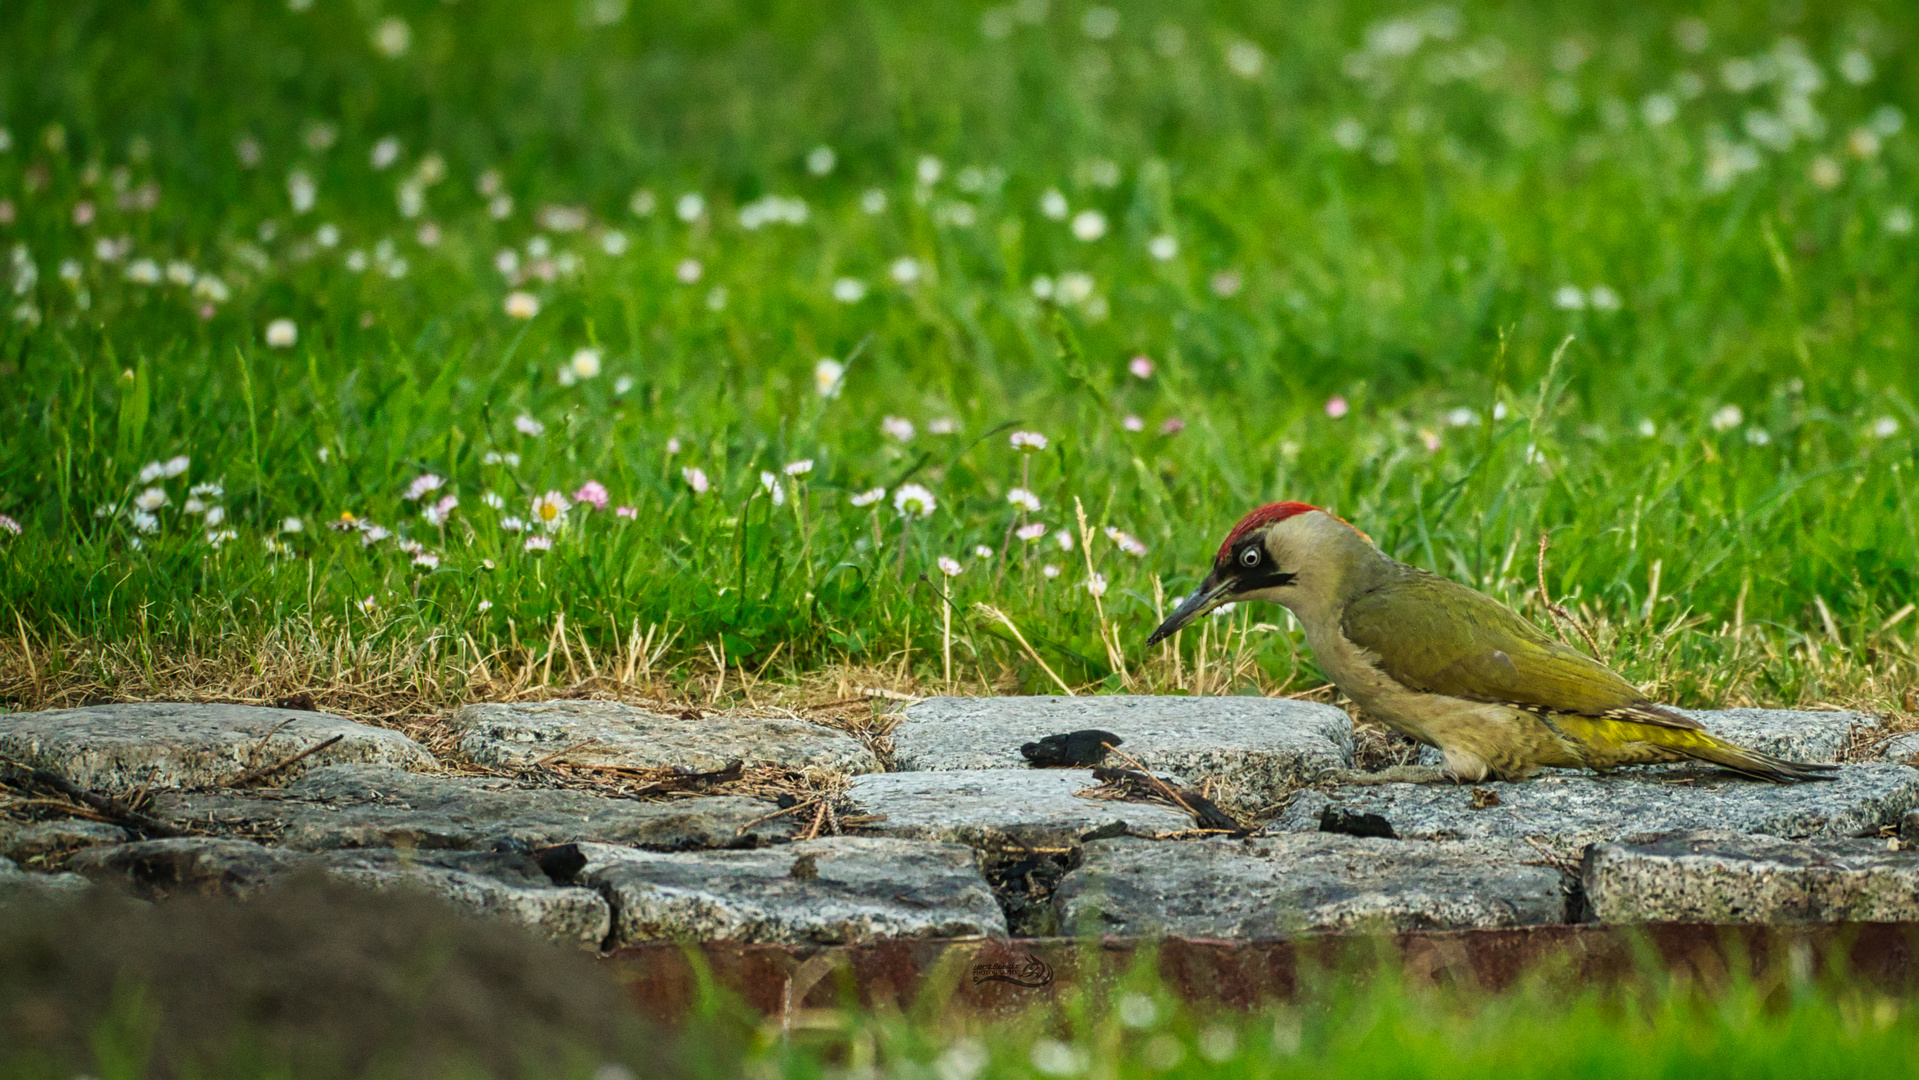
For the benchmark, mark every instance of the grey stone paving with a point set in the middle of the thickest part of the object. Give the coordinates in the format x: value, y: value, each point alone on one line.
x: 118, y: 748
x: 29, y: 842
x: 1723, y: 877
x: 1255, y: 749
x: 1003, y: 808
x: 373, y: 806
x: 834, y: 890
x: 490, y: 884
x: 20, y: 886
x: 1567, y: 811
x: 1273, y: 886
x: 611, y: 733
x: 1901, y: 749
x: 706, y: 867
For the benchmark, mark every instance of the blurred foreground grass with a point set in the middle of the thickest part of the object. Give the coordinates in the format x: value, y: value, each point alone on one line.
x: 1641, y: 277
x: 315, y: 983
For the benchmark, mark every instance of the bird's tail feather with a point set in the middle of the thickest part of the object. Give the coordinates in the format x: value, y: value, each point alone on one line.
x: 1752, y: 763
x: 1609, y: 742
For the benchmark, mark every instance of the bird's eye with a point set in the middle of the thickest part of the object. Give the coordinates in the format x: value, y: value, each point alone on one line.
x: 1249, y: 557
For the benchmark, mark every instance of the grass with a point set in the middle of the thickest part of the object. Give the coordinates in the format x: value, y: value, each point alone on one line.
x: 1637, y: 277
x: 514, y: 1007
x: 1467, y: 276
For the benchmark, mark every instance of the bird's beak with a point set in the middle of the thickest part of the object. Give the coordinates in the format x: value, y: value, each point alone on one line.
x: 1210, y: 594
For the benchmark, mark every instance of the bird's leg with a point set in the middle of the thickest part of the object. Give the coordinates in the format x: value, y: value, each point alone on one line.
x: 1397, y: 774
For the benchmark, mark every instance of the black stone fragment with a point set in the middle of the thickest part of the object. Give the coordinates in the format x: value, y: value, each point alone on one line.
x: 1338, y: 819
x: 1074, y: 748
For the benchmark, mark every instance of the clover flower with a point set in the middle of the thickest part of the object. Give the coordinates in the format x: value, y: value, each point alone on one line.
x: 592, y: 493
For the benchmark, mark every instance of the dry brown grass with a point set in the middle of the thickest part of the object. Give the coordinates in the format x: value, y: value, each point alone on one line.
x: 411, y: 684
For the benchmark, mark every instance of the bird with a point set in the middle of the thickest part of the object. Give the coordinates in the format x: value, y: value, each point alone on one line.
x: 1449, y: 666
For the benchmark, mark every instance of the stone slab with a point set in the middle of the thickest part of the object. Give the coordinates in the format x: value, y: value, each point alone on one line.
x: 1256, y: 750
x: 1564, y: 812
x: 1901, y: 749
x: 1273, y: 886
x: 163, y: 744
x: 373, y: 806
x: 21, y: 886
x: 612, y: 733
x: 1003, y: 808
x: 1811, y: 736
x: 1722, y: 877
x: 833, y: 890
x: 486, y: 884
x: 42, y: 841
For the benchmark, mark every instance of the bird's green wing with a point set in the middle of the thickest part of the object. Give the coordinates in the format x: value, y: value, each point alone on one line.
x: 1439, y: 637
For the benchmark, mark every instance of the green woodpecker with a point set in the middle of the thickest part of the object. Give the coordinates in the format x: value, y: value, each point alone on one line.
x: 1448, y: 666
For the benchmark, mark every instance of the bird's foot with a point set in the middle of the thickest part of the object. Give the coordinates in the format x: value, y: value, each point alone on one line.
x: 1398, y: 774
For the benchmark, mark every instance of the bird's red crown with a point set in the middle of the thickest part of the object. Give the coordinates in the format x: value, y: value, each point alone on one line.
x: 1265, y: 515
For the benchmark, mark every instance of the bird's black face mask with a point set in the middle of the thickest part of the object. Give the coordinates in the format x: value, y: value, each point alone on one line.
x: 1246, y: 568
